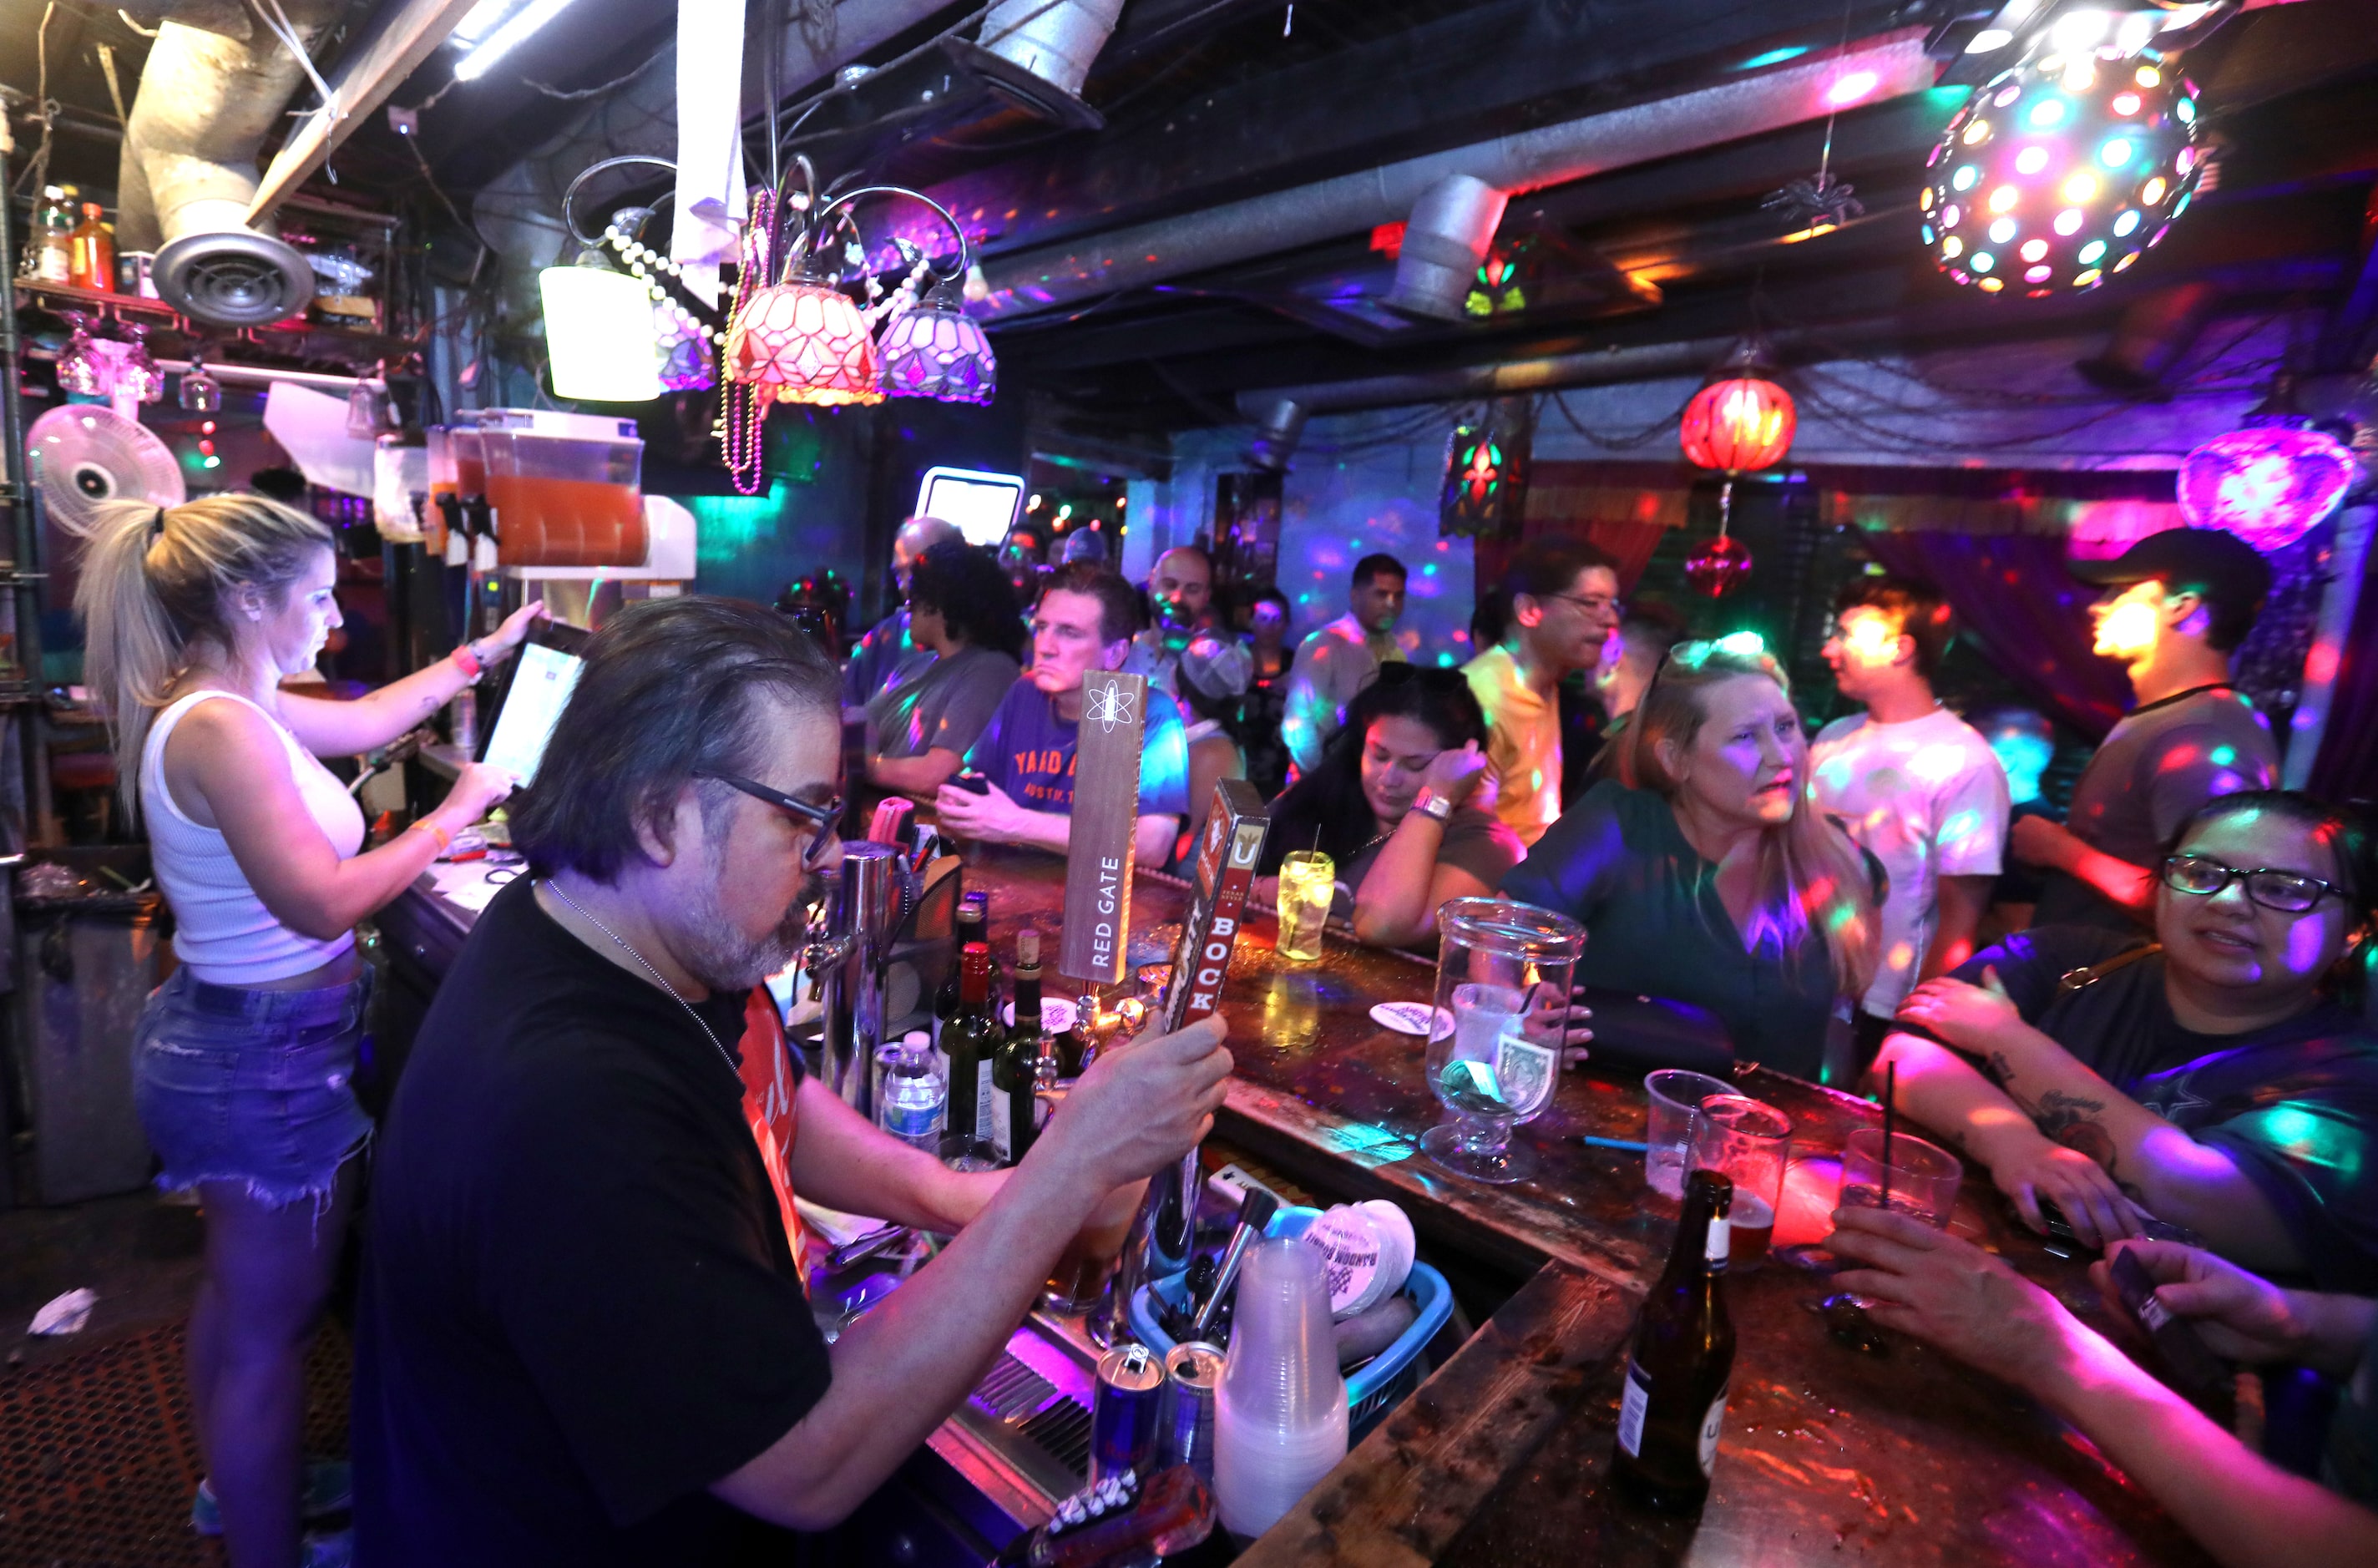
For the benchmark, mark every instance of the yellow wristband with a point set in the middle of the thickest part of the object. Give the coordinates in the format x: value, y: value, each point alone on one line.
x: 445, y: 840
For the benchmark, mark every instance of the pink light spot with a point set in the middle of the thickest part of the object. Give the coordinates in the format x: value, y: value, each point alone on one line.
x: 1851, y: 87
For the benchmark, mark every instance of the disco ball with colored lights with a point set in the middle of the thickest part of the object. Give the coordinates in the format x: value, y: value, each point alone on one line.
x: 2062, y: 172
x: 2267, y: 484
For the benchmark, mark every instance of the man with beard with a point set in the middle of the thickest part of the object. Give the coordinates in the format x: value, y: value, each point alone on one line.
x: 583, y: 1336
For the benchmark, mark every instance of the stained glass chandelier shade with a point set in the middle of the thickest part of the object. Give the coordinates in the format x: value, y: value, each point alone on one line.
x: 2268, y: 485
x: 936, y: 351
x: 2061, y: 173
x: 804, y: 343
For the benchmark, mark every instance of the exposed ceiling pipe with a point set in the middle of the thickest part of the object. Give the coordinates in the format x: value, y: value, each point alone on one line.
x: 1452, y: 230
x: 1039, y: 278
x: 1054, y: 43
x: 188, y: 170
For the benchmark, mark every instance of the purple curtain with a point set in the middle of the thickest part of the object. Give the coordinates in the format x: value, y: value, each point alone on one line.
x: 2347, y: 768
x: 2013, y: 594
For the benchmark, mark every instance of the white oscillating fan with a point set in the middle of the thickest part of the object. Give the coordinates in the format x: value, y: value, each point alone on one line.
x: 85, y: 455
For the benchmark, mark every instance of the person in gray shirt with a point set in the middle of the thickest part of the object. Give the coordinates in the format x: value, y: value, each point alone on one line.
x: 962, y: 614
x: 2177, y: 604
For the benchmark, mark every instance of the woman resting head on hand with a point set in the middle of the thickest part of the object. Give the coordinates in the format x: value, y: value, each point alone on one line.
x: 2212, y: 1078
x: 1402, y: 804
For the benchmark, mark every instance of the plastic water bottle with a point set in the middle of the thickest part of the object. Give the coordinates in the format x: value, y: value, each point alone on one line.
x: 914, y: 1097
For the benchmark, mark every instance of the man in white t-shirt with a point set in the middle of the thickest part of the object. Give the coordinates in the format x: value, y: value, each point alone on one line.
x: 1915, y: 785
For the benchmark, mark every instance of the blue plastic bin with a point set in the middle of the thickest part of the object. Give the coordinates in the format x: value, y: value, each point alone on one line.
x: 1371, y: 1389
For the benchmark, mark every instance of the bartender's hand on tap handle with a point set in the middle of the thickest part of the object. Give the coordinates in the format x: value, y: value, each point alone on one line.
x: 1140, y: 1108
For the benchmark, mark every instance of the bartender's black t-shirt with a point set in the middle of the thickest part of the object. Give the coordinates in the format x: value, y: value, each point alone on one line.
x: 579, y: 1310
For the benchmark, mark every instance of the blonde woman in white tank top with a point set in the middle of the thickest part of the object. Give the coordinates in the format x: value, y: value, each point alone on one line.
x: 244, y: 1059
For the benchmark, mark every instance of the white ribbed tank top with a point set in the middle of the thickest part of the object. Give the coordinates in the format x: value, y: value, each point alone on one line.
x: 221, y: 928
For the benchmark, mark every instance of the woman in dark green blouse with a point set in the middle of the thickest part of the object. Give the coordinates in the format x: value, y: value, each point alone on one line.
x: 1702, y: 875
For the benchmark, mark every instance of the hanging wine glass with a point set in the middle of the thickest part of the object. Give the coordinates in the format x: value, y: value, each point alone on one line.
x: 200, y: 392
x: 79, y: 370
x: 136, y: 373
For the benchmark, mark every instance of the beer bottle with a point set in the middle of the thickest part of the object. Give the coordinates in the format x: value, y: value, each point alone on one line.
x: 1675, y: 1400
x: 1013, y: 1078
x: 971, y: 1038
x: 973, y: 926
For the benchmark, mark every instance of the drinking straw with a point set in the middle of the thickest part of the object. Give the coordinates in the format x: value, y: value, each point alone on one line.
x: 1890, y: 1120
x: 1625, y: 1145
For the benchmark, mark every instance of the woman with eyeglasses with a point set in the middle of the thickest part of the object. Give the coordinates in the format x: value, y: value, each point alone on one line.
x: 1402, y: 801
x: 2210, y: 1079
x: 1726, y: 917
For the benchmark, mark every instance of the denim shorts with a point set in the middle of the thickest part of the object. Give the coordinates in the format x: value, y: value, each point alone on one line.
x: 251, y: 1086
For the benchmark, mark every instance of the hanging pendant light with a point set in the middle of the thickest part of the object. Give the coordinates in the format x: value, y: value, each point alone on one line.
x: 936, y: 351
x: 804, y: 342
x: 1740, y: 421
x: 598, y: 333
x: 2270, y: 482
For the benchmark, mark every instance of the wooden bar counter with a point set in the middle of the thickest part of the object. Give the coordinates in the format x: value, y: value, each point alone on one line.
x: 1830, y: 1453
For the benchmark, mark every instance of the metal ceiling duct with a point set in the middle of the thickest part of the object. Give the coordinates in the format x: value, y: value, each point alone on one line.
x: 1037, y: 54
x: 187, y: 170
x: 1047, y: 276
x: 1278, y: 429
x: 1451, y: 228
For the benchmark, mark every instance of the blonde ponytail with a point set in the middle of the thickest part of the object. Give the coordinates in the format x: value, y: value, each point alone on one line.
x: 1812, y: 879
x: 153, y: 582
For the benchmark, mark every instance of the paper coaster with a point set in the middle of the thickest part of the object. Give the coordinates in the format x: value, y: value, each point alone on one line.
x: 1410, y: 1018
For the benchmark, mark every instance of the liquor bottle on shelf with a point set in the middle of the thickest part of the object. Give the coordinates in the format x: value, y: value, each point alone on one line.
x: 92, y: 252
x: 971, y: 1039
x: 1675, y: 1400
x: 1016, y: 1074
x: 973, y: 926
x: 49, y: 251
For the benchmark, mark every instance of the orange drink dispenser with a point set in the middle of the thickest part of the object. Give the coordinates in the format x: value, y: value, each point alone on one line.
x: 565, y: 488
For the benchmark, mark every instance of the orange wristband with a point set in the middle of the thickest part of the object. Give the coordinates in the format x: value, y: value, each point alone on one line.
x: 445, y: 840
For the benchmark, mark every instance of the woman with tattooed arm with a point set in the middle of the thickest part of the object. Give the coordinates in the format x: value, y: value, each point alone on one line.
x: 2210, y: 1078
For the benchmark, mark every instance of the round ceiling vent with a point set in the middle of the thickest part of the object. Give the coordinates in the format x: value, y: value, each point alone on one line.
x: 234, y: 278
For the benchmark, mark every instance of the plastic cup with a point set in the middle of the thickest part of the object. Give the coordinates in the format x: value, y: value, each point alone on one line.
x: 1750, y: 1143
x: 1280, y: 1415
x: 1923, y: 1177
x: 1676, y: 1096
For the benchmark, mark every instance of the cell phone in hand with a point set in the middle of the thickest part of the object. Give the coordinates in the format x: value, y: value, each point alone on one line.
x: 2197, y: 1370
x: 972, y: 783
x: 2062, y: 1240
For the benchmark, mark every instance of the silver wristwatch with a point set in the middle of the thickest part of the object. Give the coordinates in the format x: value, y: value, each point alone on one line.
x: 1432, y: 804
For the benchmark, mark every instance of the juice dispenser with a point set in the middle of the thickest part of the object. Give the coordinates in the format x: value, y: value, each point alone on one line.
x: 565, y: 488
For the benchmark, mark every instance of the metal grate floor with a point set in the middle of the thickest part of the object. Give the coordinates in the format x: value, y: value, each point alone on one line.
x: 98, y: 1459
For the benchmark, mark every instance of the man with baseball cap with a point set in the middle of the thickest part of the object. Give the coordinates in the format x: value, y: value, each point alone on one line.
x: 2176, y: 605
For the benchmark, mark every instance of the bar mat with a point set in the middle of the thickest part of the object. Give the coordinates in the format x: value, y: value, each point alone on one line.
x: 99, y: 1461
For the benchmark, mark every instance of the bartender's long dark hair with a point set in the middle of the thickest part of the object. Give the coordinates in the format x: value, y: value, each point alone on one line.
x: 1325, y: 809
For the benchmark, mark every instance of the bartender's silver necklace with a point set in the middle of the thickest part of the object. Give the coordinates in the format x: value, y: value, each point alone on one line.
x: 554, y: 888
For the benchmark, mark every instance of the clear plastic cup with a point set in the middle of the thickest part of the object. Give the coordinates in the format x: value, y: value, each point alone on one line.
x: 1668, y: 1136
x: 1749, y: 1142
x: 1921, y: 1179
x: 1280, y: 1413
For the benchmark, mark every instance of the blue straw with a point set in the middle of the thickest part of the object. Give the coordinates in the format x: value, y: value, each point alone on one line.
x: 1626, y: 1146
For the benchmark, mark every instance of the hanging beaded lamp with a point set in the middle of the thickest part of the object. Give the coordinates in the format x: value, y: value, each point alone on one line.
x: 804, y: 342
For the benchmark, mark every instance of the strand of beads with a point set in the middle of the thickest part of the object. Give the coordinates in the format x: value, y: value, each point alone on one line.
x: 643, y: 263
x: 903, y: 299
x: 743, y: 412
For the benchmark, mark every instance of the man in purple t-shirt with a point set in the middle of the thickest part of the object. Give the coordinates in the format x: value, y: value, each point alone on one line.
x: 1084, y: 621
x: 2176, y: 605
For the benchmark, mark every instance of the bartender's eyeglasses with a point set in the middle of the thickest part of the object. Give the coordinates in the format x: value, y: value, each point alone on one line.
x: 2283, y: 890
x: 821, y: 818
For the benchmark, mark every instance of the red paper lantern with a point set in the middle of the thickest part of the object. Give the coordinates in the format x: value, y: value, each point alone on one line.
x: 1719, y: 565
x: 804, y: 343
x: 1740, y: 423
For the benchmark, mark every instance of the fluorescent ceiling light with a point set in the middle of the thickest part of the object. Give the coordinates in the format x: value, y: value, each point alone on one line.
x: 2079, y: 30
x: 480, y: 20
x: 515, y: 30
x: 1990, y: 41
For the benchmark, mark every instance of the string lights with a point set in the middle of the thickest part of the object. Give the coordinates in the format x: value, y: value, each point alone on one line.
x: 2062, y: 172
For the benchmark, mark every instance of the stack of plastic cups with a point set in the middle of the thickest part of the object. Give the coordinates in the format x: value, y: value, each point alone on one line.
x: 1280, y: 1417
